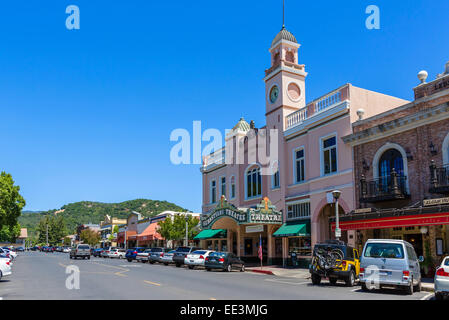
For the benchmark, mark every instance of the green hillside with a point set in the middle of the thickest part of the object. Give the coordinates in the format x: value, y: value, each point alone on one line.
x: 94, y: 212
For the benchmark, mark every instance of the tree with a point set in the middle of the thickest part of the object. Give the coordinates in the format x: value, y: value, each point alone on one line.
x: 165, y: 228
x: 67, y: 241
x: 176, y: 229
x: 90, y: 237
x: 11, y: 203
x: 8, y: 234
x: 56, y: 229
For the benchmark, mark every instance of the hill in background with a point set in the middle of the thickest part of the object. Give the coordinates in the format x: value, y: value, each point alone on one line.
x: 93, y: 212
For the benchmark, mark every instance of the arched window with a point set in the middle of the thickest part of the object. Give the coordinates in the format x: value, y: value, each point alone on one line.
x: 290, y: 56
x: 390, y: 159
x: 232, y: 191
x: 445, y: 150
x: 275, y: 177
x: 253, y: 182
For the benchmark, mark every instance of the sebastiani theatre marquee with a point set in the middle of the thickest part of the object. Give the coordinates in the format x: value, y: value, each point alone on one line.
x: 239, y: 230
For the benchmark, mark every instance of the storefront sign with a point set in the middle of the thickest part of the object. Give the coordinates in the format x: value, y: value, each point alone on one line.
x: 434, y: 202
x: 239, y: 217
x: 254, y: 229
x: 266, y: 218
x: 393, y: 222
x: 364, y: 210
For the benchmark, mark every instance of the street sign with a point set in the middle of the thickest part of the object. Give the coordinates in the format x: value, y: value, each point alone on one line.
x: 337, y: 233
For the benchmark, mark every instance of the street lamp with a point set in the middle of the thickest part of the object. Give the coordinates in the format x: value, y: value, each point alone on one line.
x: 336, y: 194
x: 187, y: 230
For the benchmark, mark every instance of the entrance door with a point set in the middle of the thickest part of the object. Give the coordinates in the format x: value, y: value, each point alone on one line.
x: 416, y: 241
x: 248, y: 247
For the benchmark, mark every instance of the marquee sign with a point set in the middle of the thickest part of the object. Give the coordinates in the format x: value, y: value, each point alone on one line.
x: 264, y: 213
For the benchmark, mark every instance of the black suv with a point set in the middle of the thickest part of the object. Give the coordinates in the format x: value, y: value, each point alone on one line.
x: 181, y: 253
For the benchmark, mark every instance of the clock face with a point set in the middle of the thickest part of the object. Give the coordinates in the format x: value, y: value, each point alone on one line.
x: 274, y: 93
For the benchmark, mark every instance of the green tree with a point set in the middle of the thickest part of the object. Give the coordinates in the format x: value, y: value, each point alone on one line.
x: 165, y: 228
x: 176, y: 229
x: 56, y: 229
x: 90, y: 237
x: 67, y: 241
x: 11, y: 204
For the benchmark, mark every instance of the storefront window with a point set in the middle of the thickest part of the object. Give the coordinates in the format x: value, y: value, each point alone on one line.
x: 298, y: 210
x: 300, y: 245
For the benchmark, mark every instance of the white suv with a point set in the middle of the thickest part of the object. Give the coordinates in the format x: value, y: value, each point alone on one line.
x: 5, y: 267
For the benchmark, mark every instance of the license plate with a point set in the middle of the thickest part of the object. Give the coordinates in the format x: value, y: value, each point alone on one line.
x: 385, y: 273
x: 191, y: 260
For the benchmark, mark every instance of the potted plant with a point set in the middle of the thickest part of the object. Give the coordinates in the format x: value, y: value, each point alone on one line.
x: 428, y: 263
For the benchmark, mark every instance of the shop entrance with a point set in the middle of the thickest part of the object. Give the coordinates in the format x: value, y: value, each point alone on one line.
x: 416, y: 241
x: 248, y: 247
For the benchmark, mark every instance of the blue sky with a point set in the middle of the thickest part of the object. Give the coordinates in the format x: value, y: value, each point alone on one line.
x: 87, y: 114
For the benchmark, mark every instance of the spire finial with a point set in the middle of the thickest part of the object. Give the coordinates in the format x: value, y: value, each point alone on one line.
x: 283, y: 14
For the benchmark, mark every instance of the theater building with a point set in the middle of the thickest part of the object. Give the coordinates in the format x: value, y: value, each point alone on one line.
x: 401, y: 161
x: 311, y: 161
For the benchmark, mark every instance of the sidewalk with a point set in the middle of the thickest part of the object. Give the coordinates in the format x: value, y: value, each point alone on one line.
x: 427, y: 283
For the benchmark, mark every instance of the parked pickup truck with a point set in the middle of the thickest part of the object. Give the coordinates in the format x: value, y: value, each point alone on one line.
x: 181, y: 253
x: 81, y: 250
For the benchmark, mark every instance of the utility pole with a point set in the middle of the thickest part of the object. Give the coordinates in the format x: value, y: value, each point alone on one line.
x: 47, y: 235
x: 187, y: 231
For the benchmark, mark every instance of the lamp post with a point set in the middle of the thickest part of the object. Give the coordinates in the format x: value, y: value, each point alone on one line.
x: 336, y: 194
x: 187, y: 231
x: 126, y: 229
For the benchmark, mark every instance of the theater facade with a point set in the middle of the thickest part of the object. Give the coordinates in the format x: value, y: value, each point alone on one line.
x: 309, y: 162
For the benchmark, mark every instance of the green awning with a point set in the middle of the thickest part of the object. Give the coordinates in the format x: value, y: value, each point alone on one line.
x: 211, y: 234
x: 298, y: 229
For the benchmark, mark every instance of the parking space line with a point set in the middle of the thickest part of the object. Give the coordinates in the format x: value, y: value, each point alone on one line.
x: 427, y: 296
x: 153, y: 283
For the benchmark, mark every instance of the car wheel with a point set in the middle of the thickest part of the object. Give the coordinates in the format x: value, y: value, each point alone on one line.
x: 190, y: 267
x: 1, y: 274
x: 409, y: 289
x: 165, y: 264
x: 178, y: 265
x: 152, y: 262
x: 418, y: 287
x: 364, y: 287
x: 129, y: 260
x: 229, y: 268
x: 316, y: 279
x: 350, y: 281
x: 242, y: 269
x: 438, y: 296
x: 333, y: 281
x: 88, y: 258
x: 207, y: 269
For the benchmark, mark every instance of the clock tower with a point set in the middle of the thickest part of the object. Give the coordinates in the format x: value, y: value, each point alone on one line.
x: 284, y: 80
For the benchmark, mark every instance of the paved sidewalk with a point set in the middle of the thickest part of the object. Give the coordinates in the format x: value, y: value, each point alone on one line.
x: 427, y: 283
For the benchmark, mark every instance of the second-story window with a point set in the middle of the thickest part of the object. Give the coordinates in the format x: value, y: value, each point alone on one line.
x: 223, y: 186
x: 253, y: 183
x: 232, y: 187
x: 213, y: 192
x: 329, y: 148
x: 299, y: 166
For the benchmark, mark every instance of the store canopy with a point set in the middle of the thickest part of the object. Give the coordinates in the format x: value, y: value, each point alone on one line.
x: 211, y: 234
x: 150, y: 233
x: 293, y: 230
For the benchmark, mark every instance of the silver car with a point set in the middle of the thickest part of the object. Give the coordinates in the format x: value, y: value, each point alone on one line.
x: 442, y: 280
x: 387, y: 262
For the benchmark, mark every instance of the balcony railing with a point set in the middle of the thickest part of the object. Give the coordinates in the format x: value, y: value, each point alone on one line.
x: 314, y: 107
x: 387, y: 188
x: 439, y: 178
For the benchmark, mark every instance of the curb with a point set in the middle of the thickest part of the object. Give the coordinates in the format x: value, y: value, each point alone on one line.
x: 263, y: 271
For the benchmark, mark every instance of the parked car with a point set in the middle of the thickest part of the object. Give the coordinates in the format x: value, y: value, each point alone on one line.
x: 97, y: 252
x: 10, y: 252
x: 334, y: 260
x: 225, y: 261
x: 20, y: 249
x: 181, y: 253
x: 66, y: 250
x: 81, y: 250
x: 106, y: 251
x: 131, y: 254
x: 390, y: 263
x: 143, y: 256
x: 5, y: 254
x: 196, y: 258
x: 167, y: 258
x: 155, y: 254
x: 5, y: 267
x: 442, y: 280
x: 117, y: 253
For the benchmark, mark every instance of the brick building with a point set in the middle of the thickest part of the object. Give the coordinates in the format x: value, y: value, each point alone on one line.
x: 401, y: 160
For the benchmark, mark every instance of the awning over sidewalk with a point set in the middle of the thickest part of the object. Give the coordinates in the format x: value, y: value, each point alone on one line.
x: 293, y: 229
x: 150, y: 233
x: 211, y: 234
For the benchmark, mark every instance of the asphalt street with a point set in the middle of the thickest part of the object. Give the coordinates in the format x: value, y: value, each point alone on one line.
x: 38, y: 275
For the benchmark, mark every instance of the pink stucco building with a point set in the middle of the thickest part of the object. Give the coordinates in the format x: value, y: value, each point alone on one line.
x: 312, y: 161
